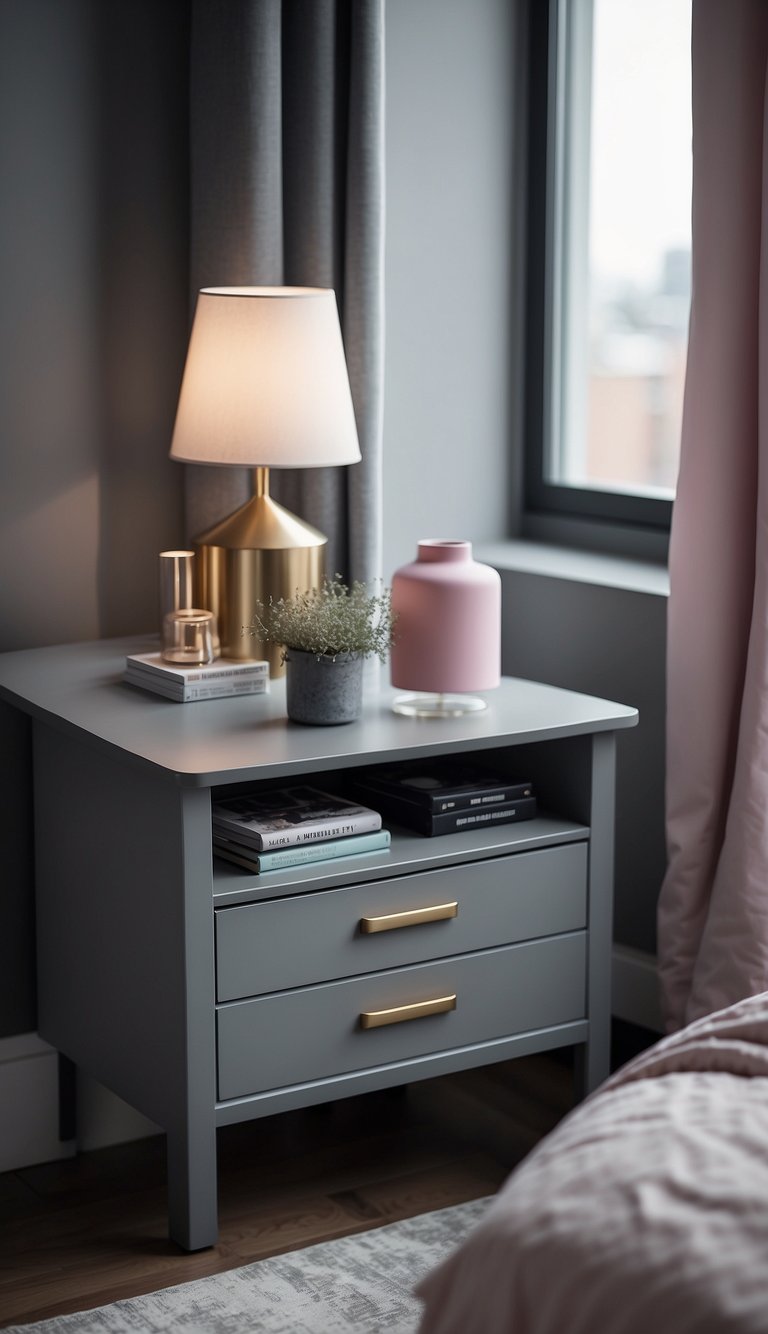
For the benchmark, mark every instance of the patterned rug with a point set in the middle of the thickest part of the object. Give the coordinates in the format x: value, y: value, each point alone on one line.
x: 356, y: 1285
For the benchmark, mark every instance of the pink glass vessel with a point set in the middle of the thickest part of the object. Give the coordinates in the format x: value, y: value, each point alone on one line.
x: 448, y: 628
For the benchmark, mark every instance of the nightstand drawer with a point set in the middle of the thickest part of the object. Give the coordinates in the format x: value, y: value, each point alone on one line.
x: 318, y: 1032
x: 307, y: 938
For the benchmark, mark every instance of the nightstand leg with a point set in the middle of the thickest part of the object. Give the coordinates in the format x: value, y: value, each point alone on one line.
x: 192, y: 1213
x: 67, y: 1098
x: 591, y: 1066
x: 593, y: 1058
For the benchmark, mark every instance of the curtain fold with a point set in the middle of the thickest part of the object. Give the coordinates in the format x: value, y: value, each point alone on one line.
x: 713, y: 907
x: 287, y: 157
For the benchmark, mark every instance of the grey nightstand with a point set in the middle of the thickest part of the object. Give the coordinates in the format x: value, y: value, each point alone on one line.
x: 204, y: 995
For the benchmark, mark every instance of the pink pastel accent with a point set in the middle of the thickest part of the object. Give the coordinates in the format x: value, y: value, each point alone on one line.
x: 644, y: 1212
x: 713, y: 909
x: 449, y: 621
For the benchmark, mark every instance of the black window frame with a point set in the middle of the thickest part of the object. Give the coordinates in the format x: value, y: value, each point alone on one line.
x: 583, y: 517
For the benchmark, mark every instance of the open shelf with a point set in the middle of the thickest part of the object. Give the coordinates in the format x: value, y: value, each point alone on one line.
x: 409, y: 853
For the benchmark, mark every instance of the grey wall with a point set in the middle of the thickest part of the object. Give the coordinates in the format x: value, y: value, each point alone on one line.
x: 449, y: 246
x: 609, y: 642
x: 93, y: 327
x: 454, y: 279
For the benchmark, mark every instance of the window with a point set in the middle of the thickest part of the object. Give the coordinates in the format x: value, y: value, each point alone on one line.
x: 609, y: 257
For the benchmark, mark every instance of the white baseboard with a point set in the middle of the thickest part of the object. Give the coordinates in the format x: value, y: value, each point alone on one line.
x: 29, y: 1108
x: 29, y: 1104
x: 636, y: 988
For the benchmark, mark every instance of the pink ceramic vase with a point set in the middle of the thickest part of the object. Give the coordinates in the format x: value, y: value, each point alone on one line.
x: 449, y: 621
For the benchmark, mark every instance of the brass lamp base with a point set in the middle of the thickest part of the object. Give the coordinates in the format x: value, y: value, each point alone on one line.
x: 259, y: 551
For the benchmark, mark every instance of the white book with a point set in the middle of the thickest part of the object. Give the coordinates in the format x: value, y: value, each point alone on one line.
x: 221, y: 669
x: 198, y: 690
x: 246, y: 681
x: 288, y: 817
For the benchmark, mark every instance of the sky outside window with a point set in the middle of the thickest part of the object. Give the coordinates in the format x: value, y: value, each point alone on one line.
x: 639, y: 242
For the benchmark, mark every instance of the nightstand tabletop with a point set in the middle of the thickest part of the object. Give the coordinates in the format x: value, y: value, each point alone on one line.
x: 78, y: 688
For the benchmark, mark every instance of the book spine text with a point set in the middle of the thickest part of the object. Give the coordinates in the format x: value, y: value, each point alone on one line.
x: 321, y: 852
x: 312, y: 833
x: 186, y: 694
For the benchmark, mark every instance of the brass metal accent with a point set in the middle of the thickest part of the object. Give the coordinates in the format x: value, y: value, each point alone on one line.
x: 399, y: 1015
x: 261, y: 550
x: 439, y: 912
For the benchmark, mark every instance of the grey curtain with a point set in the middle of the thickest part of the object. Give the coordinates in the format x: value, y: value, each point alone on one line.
x: 287, y: 180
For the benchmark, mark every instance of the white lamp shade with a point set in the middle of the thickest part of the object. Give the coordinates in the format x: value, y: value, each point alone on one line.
x: 265, y: 383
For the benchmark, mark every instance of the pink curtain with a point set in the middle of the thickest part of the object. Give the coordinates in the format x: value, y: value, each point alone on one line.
x: 713, y: 908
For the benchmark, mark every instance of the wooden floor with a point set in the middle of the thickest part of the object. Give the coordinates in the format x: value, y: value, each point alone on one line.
x: 90, y: 1230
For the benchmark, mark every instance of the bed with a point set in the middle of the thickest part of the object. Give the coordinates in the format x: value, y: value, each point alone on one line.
x: 644, y: 1212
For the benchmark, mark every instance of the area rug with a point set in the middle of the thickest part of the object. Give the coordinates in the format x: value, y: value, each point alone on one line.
x: 356, y: 1285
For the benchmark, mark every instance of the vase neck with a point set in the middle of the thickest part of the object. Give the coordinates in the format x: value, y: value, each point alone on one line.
x: 436, y: 549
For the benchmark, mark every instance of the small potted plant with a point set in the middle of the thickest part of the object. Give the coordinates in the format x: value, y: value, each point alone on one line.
x: 326, y: 634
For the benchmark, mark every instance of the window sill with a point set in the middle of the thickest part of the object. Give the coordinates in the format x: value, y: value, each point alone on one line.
x: 586, y: 567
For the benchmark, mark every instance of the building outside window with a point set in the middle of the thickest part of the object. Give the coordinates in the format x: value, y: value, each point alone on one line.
x: 610, y: 256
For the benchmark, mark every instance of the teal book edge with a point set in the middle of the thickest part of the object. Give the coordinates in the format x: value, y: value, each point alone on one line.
x: 307, y: 852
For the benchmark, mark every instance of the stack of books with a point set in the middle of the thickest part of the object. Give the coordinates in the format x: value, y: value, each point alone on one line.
x: 266, y: 831
x: 222, y: 678
x: 446, y: 797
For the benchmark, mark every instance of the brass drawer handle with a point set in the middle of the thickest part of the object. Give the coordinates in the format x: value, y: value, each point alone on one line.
x: 441, y: 912
x: 378, y: 1018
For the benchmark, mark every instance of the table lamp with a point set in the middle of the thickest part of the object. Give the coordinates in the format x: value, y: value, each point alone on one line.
x: 265, y: 386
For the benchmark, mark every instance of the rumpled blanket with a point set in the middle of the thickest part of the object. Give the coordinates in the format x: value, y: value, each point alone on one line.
x: 644, y: 1212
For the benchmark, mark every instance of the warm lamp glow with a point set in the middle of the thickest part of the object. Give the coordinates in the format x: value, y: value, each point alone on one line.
x: 265, y: 381
x: 265, y: 386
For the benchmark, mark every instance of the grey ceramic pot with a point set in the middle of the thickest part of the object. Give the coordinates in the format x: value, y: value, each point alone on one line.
x: 323, y: 691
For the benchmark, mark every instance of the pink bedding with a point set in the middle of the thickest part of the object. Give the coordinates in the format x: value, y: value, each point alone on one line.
x: 644, y: 1212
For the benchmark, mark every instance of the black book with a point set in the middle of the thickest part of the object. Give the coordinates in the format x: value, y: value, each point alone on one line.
x: 450, y: 786
x: 424, y: 821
